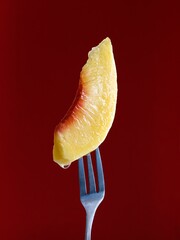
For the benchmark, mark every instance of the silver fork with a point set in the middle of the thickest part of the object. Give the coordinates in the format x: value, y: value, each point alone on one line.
x: 91, y: 199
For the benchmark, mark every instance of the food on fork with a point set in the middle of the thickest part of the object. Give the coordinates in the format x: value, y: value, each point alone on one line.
x: 90, y: 117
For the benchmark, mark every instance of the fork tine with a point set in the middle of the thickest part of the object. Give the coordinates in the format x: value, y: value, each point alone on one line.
x: 92, y: 185
x: 100, y: 171
x: 82, y: 180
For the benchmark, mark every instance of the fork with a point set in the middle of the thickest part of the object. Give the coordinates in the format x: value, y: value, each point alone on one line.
x: 92, y: 198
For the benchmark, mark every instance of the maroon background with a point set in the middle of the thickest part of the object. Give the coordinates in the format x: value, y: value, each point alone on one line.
x: 43, y: 46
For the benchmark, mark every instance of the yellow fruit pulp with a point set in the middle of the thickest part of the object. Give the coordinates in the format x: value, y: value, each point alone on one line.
x: 91, y: 115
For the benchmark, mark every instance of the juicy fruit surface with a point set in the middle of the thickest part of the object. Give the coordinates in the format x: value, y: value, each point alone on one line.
x: 87, y: 123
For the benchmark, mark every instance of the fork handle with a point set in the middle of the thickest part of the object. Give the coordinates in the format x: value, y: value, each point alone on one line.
x: 89, y: 221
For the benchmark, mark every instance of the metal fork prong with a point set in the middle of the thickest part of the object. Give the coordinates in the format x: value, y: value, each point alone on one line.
x: 82, y: 179
x: 92, y: 184
x: 100, y: 173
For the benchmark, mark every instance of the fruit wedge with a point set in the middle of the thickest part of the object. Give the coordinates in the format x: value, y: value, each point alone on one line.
x: 87, y: 122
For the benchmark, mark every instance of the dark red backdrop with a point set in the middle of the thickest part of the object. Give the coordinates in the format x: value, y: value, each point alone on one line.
x: 43, y: 45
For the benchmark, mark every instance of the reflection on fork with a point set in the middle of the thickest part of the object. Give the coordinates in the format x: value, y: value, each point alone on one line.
x: 93, y: 197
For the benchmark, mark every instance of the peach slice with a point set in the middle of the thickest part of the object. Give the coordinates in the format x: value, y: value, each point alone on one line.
x: 89, y: 119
